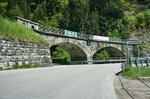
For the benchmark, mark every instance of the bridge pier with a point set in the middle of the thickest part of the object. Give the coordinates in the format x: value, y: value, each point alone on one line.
x: 90, y: 59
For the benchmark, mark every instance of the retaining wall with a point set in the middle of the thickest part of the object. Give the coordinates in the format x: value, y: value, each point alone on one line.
x: 17, y: 52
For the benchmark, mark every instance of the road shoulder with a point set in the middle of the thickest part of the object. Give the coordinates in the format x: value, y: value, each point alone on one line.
x: 120, y: 92
x: 131, y: 89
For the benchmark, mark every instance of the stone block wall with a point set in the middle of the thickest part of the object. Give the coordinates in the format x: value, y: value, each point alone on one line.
x: 17, y: 52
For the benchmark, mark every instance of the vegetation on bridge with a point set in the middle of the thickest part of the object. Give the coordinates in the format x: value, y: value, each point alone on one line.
x: 18, y: 31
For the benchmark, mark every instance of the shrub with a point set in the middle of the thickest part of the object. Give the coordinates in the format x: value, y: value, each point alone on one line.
x: 16, y: 66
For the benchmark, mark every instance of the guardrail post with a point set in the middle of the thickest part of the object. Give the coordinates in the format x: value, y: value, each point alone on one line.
x: 136, y: 62
x: 139, y: 69
x: 123, y: 67
x: 141, y: 62
x: 130, y: 61
x: 147, y: 62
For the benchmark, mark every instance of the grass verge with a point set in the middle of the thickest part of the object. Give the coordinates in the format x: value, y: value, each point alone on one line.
x: 24, y: 66
x: 16, y: 30
x: 133, y: 72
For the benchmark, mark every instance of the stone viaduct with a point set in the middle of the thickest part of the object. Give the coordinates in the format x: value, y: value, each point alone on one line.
x: 79, y: 46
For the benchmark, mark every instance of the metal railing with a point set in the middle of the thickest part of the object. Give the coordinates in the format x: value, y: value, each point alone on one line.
x: 138, y: 62
x: 59, y: 31
x: 144, y: 61
x: 104, y: 60
x: 49, y: 29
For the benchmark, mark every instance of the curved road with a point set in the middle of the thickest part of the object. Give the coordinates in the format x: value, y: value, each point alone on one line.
x: 60, y: 82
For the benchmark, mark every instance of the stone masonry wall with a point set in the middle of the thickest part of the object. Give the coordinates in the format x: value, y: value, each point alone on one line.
x: 17, y: 52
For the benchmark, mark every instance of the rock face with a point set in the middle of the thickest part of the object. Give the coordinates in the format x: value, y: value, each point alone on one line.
x: 143, y: 35
x: 17, y: 52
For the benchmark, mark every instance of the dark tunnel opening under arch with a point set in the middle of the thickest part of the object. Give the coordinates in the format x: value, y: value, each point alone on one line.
x: 75, y: 52
x: 108, y: 52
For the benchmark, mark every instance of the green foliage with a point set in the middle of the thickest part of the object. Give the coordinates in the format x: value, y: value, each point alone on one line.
x: 40, y: 12
x: 102, y: 54
x: 3, y: 9
x: 16, y: 30
x: 133, y: 72
x: 59, y: 55
x: 131, y: 22
x: 23, y: 66
x: 15, y: 12
x: 16, y: 66
x: 1, y: 68
x: 54, y: 22
x: 113, y: 18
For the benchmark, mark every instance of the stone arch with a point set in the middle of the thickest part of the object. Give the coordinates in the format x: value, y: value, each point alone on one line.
x: 106, y: 45
x: 65, y: 43
x: 113, y: 49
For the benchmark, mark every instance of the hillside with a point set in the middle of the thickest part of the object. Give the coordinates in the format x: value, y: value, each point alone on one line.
x: 142, y: 35
x: 113, y: 18
x: 15, y: 30
x: 126, y: 19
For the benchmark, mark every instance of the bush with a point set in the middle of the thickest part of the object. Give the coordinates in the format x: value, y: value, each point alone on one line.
x: 1, y: 68
x: 101, y: 55
x: 16, y: 66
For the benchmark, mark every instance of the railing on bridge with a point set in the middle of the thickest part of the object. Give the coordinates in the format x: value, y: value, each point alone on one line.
x: 58, y: 31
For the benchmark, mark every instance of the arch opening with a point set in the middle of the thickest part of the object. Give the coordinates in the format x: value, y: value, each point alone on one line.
x: 66, y: 52
x: 108, y: 52
x: 32, y: 27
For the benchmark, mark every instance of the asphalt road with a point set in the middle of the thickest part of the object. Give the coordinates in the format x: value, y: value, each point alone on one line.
x: 60, y: 82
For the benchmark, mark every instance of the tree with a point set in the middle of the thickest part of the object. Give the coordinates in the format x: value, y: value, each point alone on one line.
x: 3, y: 6
x: 15, y: 12
x: 93, y: 23
x: 102, y: 54
x: 54, y: 22
x: 40, y: 12
x: 60, y: 55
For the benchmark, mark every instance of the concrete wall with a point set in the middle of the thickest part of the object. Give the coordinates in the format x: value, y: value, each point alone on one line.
x: 14, y: 51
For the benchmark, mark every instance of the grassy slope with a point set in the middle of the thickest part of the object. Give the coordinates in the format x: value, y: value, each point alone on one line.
x: 18, y: 31
x: 133, y: 72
